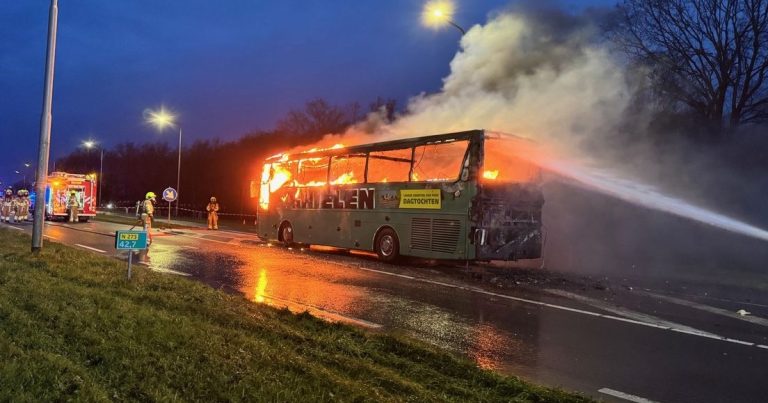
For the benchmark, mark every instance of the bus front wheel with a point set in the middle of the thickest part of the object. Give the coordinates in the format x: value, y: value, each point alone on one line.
x: 286, y: 234
x: 387, y: 245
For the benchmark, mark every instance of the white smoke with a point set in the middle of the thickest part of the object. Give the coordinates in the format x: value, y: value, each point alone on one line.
x: 515, y: 76
x: 555, y: 85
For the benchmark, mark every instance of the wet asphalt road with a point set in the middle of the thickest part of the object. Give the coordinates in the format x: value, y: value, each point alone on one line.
x: 647, y: 343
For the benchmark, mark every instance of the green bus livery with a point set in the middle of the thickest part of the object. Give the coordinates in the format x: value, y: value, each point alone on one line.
x: 457, y: 196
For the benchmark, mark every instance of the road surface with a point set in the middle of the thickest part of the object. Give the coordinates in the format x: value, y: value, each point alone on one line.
x: 608, y: 341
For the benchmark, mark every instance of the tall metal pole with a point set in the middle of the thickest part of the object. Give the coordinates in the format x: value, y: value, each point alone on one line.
x: 178, y: 180
x: 45, y: 131
x: 101, y: 178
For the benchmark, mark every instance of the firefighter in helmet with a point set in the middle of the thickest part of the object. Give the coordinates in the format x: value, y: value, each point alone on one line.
x: 73, y: 205
x: 6, y: 208
x: 147, y: 213
x: 22, y: 205
x: 213, y: 214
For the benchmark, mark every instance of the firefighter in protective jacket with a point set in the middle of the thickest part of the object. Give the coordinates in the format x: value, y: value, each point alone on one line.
x: 22, y: 205
x: 147, y: 213
x: 6, y: 209
x: 73, y: 205
x: 213, y: 214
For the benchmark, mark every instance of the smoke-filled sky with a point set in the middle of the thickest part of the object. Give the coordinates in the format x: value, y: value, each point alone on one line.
x: 226, y: 67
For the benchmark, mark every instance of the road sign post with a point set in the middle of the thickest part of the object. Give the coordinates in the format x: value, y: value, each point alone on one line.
x: 170, y: 195
x: 130, y: 241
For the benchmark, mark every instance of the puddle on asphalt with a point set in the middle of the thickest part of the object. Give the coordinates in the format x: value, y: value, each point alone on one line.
x: 301, y: 281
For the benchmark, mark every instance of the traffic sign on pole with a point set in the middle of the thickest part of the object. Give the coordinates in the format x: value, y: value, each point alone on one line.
x: 130, y: 241
x: 170, y: 195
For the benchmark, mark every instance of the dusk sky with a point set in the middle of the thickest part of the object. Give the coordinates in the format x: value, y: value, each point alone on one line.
x: 227, y: 68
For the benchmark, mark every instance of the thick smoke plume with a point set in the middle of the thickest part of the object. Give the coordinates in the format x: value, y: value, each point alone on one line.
x: 525, y: 78
x: 548, y: 78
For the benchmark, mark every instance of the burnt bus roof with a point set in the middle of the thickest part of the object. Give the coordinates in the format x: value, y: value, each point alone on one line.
x: 395, y: 144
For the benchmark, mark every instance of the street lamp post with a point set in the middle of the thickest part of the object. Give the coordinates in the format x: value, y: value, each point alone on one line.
x: 90, y: 144
x: 24, y: 174
x: 161, y: 119
x: 45, y: 130
x: 438, y: 13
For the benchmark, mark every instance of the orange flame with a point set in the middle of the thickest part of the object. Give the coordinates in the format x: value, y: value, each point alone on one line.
x: 348, y: 177
x: 279, y: 179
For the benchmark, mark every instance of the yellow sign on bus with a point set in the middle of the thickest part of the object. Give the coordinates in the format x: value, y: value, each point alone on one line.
x: 420, y: 198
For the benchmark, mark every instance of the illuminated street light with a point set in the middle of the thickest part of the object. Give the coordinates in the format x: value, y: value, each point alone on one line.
x: 161, y: 119
x: 437, y: 13
x: 89, y: 144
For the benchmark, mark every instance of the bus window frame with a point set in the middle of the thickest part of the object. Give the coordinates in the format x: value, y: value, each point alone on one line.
x: 462, y: 165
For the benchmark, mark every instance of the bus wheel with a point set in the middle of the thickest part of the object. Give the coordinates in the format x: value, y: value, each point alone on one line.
x: 286, y: 233
x: 387, y: 245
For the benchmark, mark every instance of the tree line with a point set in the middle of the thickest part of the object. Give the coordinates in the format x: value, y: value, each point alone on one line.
x: 213, y: 167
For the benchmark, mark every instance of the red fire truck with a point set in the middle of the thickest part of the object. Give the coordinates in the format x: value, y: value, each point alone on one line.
x: 60, y: 185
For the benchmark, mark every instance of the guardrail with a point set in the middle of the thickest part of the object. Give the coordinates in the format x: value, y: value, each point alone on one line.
x: 184, y: 213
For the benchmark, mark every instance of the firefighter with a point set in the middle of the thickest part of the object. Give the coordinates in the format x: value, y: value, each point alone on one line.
x: 73, y: 206
x: 147, y: 213
x: 213, y: 214
x: 6, y: 209
x: 22, y: 205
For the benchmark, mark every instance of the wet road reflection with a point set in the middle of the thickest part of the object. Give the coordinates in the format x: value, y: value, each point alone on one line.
x: 557, y: 347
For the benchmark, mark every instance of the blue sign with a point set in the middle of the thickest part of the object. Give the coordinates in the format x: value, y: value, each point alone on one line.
x: 130, y: 240
x: 170, y: 195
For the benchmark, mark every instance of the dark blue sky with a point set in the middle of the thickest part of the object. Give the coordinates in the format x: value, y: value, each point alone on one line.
x: 225, y: 67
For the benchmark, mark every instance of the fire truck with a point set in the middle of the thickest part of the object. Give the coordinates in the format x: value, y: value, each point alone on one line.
x: 60, y: 186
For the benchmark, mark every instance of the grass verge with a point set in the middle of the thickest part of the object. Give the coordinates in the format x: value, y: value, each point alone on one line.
x: 72, y: 328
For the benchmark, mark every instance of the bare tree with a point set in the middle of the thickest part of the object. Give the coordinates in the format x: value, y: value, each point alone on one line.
x: 318, y: 118
x: 710, y: 55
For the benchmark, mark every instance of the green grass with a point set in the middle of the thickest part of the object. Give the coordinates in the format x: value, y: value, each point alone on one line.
x: 72, y: 328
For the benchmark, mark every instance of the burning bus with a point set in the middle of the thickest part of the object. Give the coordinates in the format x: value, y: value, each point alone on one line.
x: 457, y: 196
x: 61, y: 185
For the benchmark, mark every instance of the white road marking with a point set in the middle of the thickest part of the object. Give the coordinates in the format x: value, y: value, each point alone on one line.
x: 51, y: 237
x: 625, y: 396
x: 574, y: 310
x: 626, y: 312
x: 711, y: 309
x: 90, y: 248
x: 13, y: 227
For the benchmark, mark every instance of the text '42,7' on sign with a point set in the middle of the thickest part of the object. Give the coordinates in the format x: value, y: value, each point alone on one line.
x: 130, y: 240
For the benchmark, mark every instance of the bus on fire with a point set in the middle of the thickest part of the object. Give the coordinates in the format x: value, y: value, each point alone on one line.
x: 462, y: 196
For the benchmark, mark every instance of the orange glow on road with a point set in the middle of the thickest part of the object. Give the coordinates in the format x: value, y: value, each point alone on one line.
x: 261, y: 286
x: 491, y: 174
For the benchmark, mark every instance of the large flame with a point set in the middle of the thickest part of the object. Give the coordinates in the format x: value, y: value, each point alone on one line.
x: 280, y: 178
x: 348, y: 177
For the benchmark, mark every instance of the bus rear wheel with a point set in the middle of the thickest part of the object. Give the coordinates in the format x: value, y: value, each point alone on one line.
x: 387, y: 245
x: 286, y: 234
